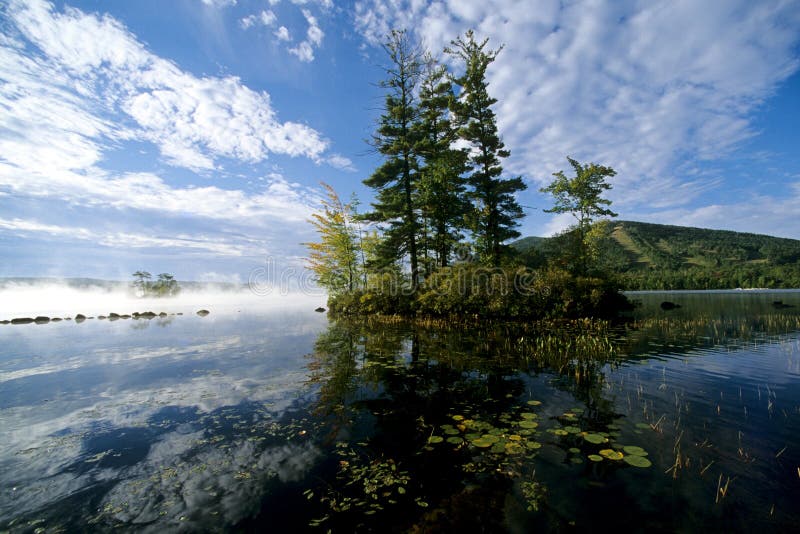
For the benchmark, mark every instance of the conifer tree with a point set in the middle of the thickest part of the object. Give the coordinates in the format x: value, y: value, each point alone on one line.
x: 396, y: 180
x: 442, y: 199
x: 495, y: 209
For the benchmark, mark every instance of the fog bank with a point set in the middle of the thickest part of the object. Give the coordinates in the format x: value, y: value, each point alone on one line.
x: 62, y: 300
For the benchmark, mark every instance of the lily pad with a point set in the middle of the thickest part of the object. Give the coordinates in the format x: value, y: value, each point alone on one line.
x: 611, y: 454
x: 595, y: 457
x: 528, y: 424
x: 533, y: 445
x: 576, y: 460
x: 643, y: 426
x: 458, y: 418
x: 574, y: 450
x: 455, y: 440
x: 435, y: 439
x: 597, y: 439
x: 528, y: 415
x: 482, y: 443
x: 637, y: 461
x: 490, y: 437
x: 572, y: 429
x: 515, y: 437
x: 514, y: 448
x: 534, y: 402
x: 498, y: 448
x: 560, y: 432
x: 451, y: 431
x: 634, y: 450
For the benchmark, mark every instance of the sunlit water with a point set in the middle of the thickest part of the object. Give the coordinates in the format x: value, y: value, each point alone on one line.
x: 271, y: 418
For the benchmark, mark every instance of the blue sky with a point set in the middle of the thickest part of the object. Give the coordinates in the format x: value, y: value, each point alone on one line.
x: 190, y: 136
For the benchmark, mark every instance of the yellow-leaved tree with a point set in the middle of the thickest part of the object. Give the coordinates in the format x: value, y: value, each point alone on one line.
x: 336, y: 259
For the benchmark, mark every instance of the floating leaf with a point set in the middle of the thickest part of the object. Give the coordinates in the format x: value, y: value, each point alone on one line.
x: 435, y: 439
x: 576, y: 460
x: 611, y: 454
x: 528, y: 415
x: 455, y: 440
x: 560, y: 432
x: 595, y: 457
x: 533, y: 445
x: 490, y: 437
x: 637, y: 461
x: 597, y: 439
x: 451, y: 431
x: 643, y: 426
x: 482, y: 443
x: 534, y: 402
x: 514, y: 448
x: 528, y: 424
x: 572, y: 429
x: 515, y: 437
x: 498, y: 448
x: 634, y: 450
x: 574, y: 450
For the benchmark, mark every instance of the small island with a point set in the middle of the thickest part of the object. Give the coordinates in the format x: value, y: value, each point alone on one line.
x: 445, y: 210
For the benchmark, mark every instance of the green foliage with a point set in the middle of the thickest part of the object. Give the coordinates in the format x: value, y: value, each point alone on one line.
x: 495, y: 209
x: 396, y: 180
x: 334, y: 260
x: 491, y: 292
x: 442, y: 190
x: 581, y: 197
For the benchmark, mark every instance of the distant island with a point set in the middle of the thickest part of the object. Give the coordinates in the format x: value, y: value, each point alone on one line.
x: 646, y: 256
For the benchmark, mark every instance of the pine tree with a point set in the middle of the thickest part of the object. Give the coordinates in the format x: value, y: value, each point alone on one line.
x: 496, y: 210
x: 335, y: 258
x: 441, y: 188
x: 396, y: 180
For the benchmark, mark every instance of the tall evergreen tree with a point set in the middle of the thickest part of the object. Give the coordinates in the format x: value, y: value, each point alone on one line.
x: 441, y: 187
x: 496, y: 210
x: 396, y: 180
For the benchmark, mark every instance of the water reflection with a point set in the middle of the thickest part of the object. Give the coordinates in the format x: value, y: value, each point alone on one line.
x: 288, y: 422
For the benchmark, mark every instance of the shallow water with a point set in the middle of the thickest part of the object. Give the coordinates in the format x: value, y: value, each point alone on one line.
x: 278, y: 420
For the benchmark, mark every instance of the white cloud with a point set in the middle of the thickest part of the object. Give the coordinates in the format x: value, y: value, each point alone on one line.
x: 305, y: 49
x: 216, y: 246
x: 97, y: 67
x: 647, y: 88
x: 219, y: 3
x: 282, y: 34
x: 340, y: 162
x: 265, y: 18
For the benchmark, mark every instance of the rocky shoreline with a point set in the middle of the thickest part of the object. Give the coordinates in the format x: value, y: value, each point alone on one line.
x: 79, y: 318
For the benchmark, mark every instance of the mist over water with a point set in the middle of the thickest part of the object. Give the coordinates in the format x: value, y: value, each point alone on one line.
x: 61, y: 300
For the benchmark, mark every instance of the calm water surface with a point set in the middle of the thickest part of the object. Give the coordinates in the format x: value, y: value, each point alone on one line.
x: 684, y: 420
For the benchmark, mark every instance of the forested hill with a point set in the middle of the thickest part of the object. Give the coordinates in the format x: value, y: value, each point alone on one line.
x: 657, y: 256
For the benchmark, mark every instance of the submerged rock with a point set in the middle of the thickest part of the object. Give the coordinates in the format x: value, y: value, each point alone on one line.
x: 667, y: 305
x: 778, y: 304
x: 203, y: 313
x: 55, y: 319
x: 101, y: 317
x: 320, y: 310
x: 22, y: 320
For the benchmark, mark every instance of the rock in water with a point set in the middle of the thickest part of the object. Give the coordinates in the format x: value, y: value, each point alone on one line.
x: 667, y: 305
x: 22, y: 320
x: 80, y: 318
x: 320, y: 310
x: 203, y: 313
x: 41, y: 319
x: 5, y: 322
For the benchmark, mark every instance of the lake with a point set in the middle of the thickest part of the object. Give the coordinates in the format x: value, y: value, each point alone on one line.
x: 281, y: 420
